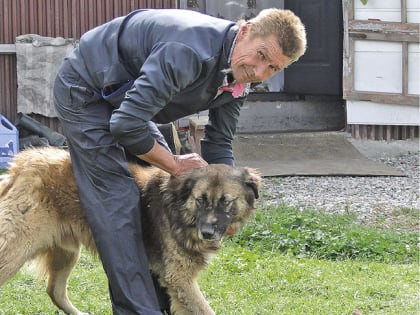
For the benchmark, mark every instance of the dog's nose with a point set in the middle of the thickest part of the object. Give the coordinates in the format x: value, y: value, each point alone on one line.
x: 208, y: 232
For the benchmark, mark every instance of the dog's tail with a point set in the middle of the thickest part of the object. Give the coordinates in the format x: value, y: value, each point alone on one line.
x: 12, y: 250
x: 17, y: 235
x: 4, y: 183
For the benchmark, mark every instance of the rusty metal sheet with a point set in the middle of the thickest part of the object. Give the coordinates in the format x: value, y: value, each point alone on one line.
x: 53, y: 18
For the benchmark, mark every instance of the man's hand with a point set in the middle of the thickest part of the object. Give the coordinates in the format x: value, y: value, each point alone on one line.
x: 174, y: 164
x: 188, y: 162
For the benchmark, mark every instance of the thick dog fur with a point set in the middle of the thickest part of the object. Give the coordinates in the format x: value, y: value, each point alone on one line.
x: 185, y: 221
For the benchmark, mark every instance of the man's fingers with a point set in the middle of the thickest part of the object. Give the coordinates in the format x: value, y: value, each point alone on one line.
x: 188, y: 162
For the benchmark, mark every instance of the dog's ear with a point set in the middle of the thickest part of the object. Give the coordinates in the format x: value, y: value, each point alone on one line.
x: 252, y: 179
x: 187, y: 187
x: 181, y: 186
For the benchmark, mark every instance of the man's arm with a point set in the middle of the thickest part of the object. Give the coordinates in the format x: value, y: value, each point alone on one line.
x: 173, y: 164
x: 216, y: 146
x: 168, y: 69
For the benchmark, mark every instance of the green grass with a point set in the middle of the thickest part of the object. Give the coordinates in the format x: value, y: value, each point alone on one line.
x: 267, y: 283
x: 327, y: 236
x: 283, y: 262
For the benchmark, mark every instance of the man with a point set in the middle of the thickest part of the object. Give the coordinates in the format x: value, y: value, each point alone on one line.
x: 155, y: 66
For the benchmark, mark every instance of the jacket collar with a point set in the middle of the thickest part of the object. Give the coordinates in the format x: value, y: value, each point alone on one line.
x: 227, y: 47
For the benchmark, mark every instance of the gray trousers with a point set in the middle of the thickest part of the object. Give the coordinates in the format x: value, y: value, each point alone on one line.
x: 108, y: 193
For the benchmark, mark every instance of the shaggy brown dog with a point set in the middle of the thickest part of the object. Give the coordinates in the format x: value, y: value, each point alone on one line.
x: 185, y: 221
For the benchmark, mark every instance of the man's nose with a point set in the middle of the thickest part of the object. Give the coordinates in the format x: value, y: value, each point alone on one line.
x: 262, y: 71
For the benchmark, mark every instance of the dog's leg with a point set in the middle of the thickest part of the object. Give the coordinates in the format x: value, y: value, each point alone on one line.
x: 187, y: 298
x: 58, y: 264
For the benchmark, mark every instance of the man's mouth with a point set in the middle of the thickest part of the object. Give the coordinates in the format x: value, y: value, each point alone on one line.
x: 250, y: 77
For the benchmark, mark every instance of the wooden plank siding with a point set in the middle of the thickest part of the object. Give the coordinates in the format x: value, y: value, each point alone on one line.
x: 379, y: 31
x: 52, y: 18
x: 383, y: 133
x: 401, y: 32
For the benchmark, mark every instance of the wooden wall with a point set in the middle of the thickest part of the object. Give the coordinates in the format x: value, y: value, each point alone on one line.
x: 381, y: 68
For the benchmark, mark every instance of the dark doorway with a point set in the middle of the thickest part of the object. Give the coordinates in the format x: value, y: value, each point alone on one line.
x: 319, y: 71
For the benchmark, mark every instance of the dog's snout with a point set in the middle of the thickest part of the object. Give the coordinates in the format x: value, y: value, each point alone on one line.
x: 207, y: 232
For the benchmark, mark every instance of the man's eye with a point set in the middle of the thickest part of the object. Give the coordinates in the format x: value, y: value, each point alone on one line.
x: 261, y: 55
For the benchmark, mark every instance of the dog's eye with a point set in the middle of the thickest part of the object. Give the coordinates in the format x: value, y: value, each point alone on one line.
x: 226, y: 200
x: 199, y: 201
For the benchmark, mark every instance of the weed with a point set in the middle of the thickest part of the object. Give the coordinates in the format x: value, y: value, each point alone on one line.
x: 313, y: 233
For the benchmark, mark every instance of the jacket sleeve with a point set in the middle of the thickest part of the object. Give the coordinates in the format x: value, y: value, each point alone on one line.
x: 167, y: 70
x: 216, y: 145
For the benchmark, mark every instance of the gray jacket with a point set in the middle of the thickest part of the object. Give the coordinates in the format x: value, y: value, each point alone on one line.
x: 161, y: 65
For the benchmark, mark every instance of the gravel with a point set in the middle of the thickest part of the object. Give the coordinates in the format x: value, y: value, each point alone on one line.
x: 371, y: 198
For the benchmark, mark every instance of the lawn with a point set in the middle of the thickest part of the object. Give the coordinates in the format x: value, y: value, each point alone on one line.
x: 284, y: 262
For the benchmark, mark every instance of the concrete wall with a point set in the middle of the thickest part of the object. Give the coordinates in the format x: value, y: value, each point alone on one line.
x: 285, y: 116
x: 288, y: 116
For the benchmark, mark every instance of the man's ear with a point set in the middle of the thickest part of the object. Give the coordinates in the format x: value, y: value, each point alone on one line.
x: 244, y: 29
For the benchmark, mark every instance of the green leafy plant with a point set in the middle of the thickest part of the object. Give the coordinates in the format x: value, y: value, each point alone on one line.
x: 313, y: 233
x: 364, y: 2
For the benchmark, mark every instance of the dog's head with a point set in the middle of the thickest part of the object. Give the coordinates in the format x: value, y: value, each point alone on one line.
x: 216, y: 200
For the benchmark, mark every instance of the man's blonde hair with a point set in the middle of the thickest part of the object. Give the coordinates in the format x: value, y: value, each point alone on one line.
x: 285, y: 25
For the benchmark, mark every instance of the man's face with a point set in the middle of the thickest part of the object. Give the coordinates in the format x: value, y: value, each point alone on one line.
x: 256, y: 59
